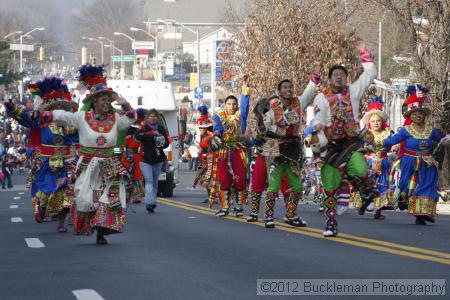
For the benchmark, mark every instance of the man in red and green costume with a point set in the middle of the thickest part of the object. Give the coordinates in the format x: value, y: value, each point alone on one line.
x: 337, y: 113
x: 283, y: 152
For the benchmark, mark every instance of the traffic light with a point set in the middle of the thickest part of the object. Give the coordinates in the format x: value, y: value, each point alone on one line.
x: 41, y: 54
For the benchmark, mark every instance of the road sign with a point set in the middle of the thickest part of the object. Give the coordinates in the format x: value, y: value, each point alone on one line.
x: 143, y: 45
x: 123, y: 58
x: 193, y: 81
x: 169, y: 67
x: 25, y: 47
x: 198, y: 93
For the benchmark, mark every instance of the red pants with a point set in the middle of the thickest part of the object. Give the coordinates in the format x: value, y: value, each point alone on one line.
x: 239, y: 169
x: 259, y: 177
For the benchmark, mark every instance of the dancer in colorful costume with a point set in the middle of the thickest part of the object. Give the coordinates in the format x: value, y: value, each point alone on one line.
x: 418, y: 179
x: 379, y: 162
x: 207, y: 171
x: 51, y: 143
x: 258, y: 168
x: 336, y: 112
x: 133, y: 157
x: 229, y: 129
x: 100, y: 192
x: 283, y: 148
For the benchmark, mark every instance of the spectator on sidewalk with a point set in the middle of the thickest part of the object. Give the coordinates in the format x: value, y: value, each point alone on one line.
x: 7, y: 165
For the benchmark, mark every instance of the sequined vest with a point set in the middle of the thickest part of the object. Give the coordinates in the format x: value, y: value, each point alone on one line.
x: 232, y: 129
x: 343, y: 125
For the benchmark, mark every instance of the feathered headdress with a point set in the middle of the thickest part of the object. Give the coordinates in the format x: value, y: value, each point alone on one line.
x: 52, y: 92
x: 417, y: 100
x: 204, y: 121
x: 92, y: 78
x: 90, y: 75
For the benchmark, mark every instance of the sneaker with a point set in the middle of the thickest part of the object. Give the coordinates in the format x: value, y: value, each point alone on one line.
x: 269, y: 223
x: 330, y: 232
x: 222, y: 213
x: 252, y: 218
x: 239, y: 212
x: 321, y: 208
x: 296, y: 222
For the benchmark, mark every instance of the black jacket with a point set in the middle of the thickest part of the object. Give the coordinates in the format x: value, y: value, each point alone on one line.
x: 152, y: 153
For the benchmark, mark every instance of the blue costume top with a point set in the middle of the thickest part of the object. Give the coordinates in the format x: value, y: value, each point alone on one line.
x: 419, y: 174
x: 49, y: 167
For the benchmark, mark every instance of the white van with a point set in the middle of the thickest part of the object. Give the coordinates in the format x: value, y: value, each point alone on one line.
x: 160, y: 96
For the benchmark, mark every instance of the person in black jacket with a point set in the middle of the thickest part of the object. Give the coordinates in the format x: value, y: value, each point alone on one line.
x: 154, y: 139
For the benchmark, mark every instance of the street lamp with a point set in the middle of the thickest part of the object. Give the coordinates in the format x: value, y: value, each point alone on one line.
x: 132, y: 46
x: 9, y: 34
x: 97, y: 40
x: 128, y: 37
x: 156, y: 46
x: 21, y: 58
x: 111, y: 52
x: 101, y: 45
x: 379, y: 45
x: 122, y: 69
x: 198, y: 40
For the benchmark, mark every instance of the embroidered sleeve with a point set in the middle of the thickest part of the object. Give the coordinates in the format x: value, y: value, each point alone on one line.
x: 125, y: 121
x: 358, y: 88
x: 308, y: 95
x: 72, y: 119
x: 23, y: 116
x: 321, y: 111
x: 395, y: 139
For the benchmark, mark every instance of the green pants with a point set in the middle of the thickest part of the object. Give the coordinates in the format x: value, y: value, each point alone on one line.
x: 331, y: 176
x: 275, y: 178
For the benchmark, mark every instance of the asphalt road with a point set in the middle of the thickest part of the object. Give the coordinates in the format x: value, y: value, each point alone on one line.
x: 183, y: 251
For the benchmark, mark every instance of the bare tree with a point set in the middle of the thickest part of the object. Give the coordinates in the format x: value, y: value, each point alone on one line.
x: 429, y: 26
x: 282, y: 38
x: 103, y: 17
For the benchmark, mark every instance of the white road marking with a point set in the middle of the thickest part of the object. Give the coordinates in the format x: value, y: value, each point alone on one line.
x: 16, y: 219
x: 34, y: 243
x: 14, y: 206
x: 16, y: 198
x: 87, y: 295
x: 192, y: 217
x: 21, y: 193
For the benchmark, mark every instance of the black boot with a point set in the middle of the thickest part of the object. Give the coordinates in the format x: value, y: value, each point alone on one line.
x: 420, y: 221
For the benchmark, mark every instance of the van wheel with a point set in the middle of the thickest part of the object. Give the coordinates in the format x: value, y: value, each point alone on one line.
x: 166, y: 187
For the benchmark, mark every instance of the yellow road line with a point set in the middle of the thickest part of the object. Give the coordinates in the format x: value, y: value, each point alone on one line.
x: 402, y: 250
